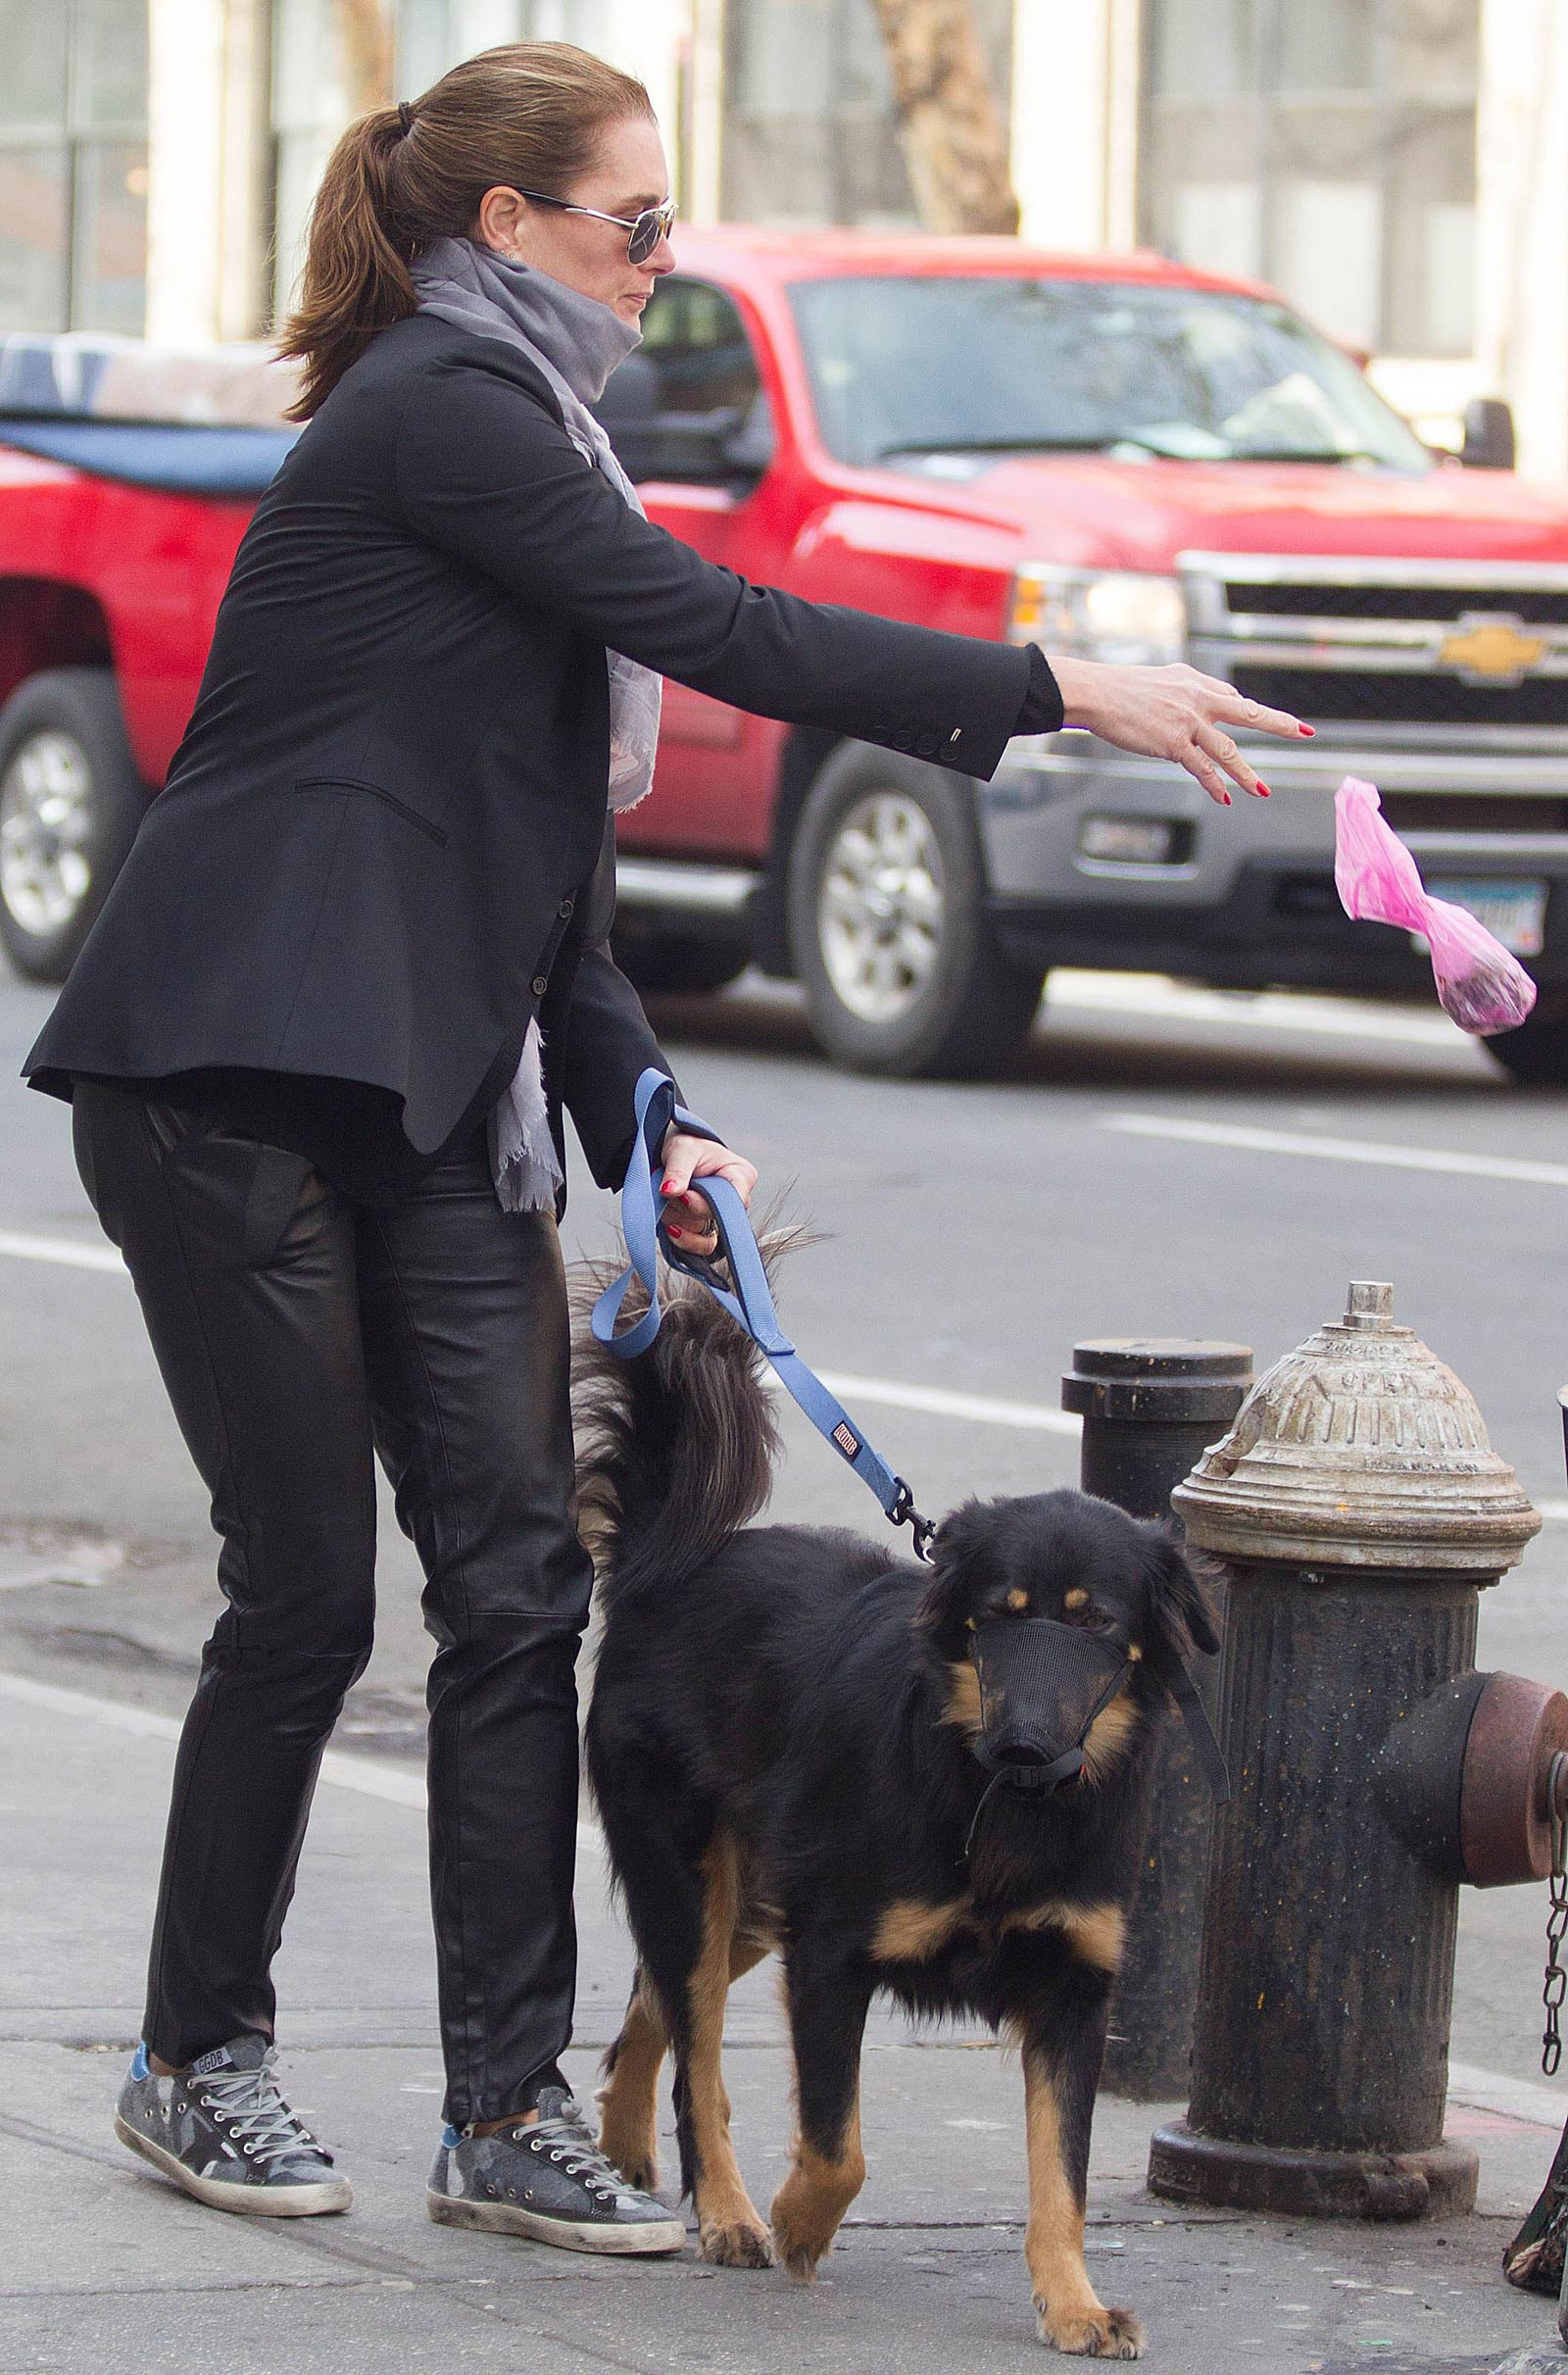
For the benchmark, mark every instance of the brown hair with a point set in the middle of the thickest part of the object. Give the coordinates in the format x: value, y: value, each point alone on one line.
x: 525, y: 117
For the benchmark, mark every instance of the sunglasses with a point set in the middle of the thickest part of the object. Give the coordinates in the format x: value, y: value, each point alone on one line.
x: 644, y: 232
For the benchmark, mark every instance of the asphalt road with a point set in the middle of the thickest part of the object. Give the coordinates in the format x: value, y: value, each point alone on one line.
x: 1157, y: 1163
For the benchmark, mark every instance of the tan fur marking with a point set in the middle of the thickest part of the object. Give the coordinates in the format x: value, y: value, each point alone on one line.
x: 1017, y: 1601
x: 729, y: 2230
x: 628, y: 2102
x: 1096, y: 1933
x: 1134, y: 1652
x: 909, y: 1931
x: 1078, y: 1598
x: 1110, y: 1735
x: 964, y: 1697
x: 811, y: 2202
x: 1072, y: 2316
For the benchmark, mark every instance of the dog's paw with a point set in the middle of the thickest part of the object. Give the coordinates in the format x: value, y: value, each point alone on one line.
x: 736, y: 2243
x: 1094, y: 2333
x: 799, y: 2253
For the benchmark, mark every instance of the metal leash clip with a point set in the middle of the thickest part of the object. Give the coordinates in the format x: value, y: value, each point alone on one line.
x: 903, y: 1513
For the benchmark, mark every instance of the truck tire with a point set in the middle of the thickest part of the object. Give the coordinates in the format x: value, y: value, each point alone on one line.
x: 888, y: 924
x: 660, y: 961
x: 71, y: 800
x: 1536, y: 1055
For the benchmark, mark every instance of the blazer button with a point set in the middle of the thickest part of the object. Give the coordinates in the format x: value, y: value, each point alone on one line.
x: 564, y: 911
x: 541, y: 982
x: 926, y: 747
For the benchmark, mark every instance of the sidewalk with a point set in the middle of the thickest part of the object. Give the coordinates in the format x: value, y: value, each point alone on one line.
x: 103, y: 2267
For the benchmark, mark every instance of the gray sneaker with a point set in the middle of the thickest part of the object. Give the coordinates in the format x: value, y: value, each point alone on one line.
x: 549, y: 2182
x: 223, y: 2132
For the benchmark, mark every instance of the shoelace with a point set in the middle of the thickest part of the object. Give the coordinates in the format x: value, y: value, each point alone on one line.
x: 564, y: 2141
x: 257, y: 2117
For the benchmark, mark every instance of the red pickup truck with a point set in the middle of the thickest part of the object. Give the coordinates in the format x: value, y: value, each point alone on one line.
x: 1115, y: 456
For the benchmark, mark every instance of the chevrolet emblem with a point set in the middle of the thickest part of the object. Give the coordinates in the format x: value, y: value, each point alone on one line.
x: 1490, y: 650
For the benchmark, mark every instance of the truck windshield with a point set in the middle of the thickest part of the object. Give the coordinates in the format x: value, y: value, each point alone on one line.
x: 913, y: 370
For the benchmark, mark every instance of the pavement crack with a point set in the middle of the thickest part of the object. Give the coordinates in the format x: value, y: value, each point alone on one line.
x: 28, y: 2131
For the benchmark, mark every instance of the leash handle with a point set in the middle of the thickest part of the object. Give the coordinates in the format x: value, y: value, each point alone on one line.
x: 750, y: 1305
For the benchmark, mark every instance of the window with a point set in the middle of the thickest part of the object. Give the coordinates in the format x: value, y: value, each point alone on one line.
x: 943, y: 374
x: 694, y: 343
x: 810, y: 135
x: 688, y: 401
x: 74, y: 165
x: 433, y: 34
x: 312, y: 101
x: 1329, y: 149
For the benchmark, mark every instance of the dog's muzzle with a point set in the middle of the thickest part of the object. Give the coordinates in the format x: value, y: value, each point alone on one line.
x: 1041, y: 1684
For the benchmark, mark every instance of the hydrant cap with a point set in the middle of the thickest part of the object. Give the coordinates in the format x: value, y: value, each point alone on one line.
x: 1360, y: 1449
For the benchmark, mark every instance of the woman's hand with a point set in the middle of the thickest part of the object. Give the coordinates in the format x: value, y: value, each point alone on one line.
x: 689, y: 1219
x: 1172, y: 713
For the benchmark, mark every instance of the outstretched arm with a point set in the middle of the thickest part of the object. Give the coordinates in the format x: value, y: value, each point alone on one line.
x: 486, y: 472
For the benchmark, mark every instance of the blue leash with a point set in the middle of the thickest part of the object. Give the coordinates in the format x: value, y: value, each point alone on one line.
x: 750, y: 1306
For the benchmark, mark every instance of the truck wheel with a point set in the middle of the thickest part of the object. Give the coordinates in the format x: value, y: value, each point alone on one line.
x: 71, y: 800
x: 888, y: 924
x: 1536, y: 1055
x: 656, y: 961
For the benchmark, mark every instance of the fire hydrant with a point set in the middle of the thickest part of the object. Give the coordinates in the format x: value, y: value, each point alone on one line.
x: 1355, y: 1507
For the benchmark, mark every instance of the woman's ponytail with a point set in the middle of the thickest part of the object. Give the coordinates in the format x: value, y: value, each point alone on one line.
x: 357, y: 280
x: 526, y: 116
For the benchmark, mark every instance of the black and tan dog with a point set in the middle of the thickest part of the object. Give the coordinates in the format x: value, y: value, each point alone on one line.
x: 782, y: 1743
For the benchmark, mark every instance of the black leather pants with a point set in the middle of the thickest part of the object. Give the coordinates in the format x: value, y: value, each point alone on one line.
x: 295, y: 1331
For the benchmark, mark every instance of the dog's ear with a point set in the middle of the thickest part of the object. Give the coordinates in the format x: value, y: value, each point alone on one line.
x: 1178, y: 1600
x: 951, y: 1593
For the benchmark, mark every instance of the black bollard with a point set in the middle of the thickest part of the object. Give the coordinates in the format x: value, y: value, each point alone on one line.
x: 1151, y: 1409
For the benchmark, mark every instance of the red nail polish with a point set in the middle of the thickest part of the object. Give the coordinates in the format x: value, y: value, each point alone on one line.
x: 1309, y: 730
x: 1227, y: 798
x: 1262, y: 789
x: 667, y: 1188
x: 669, y: 1232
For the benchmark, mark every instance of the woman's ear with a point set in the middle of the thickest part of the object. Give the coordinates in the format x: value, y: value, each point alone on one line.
x: 1179, y: 1602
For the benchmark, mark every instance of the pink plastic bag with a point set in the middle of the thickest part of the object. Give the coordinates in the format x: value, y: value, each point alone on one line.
x: 1479, y: 983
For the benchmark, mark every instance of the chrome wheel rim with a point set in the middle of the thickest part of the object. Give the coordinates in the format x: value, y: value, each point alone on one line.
x: 46, y: 832
x: 881, y: 907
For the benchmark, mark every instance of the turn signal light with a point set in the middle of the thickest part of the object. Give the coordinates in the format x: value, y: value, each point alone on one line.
x: 1134, y: 840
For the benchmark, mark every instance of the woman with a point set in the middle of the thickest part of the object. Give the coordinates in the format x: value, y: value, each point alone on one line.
x: 320, y: 1040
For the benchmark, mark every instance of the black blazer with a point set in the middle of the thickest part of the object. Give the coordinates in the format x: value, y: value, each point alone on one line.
x: 382, y: 846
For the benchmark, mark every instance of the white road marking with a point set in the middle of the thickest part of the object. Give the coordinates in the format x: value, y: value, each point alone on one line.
x: 983, y: 1409
x: 1151, y: 995
x: 61, y: 1248
x: 377, y: 1777
x: 368, y: 1776
x: 933, y: 1402
x: 1340, y: 1150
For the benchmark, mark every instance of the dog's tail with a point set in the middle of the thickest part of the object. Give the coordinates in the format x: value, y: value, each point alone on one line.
x: 676, y: 1447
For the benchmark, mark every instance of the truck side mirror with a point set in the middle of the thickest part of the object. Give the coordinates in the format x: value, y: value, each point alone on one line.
x: 723, y: 448
x: 1488, y: 434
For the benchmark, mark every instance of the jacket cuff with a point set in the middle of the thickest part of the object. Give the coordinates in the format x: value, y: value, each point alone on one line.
x: 1043, y: 710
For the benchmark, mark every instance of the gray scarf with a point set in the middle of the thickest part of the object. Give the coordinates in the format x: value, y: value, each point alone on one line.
x: 576, y: 342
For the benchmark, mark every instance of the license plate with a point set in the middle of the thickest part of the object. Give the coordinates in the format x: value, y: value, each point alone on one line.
x: 1514, y: 913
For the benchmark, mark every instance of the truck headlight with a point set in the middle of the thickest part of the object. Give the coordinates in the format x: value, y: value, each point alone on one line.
x: 1120, y: 615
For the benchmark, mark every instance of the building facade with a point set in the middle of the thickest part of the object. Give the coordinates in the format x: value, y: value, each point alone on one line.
x: 1399, y: 167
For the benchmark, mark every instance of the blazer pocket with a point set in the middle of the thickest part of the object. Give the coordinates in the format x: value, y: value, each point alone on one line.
x: 354, y: 784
